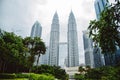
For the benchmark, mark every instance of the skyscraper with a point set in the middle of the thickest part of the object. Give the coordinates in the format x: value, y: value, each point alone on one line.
x: 99, y: 6
x: 98, y: 57
x: 54, y: 41
x: 36, y: 30
x: 73, y: 56
x: 88, y: 49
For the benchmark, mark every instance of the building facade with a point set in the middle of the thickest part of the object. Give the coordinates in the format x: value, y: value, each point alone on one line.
x: 88, y: 49
x: 73, y: 56
x: 54, y: 41
x: 99, y: 7
x: 98, y: 57
x: 36, y: 30
x: 44, y: 59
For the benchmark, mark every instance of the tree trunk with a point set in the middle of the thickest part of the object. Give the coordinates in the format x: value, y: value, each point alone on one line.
x: 4, y: 65
x: 37, y: 62
x: 0, y: 66
x: 38, y: 59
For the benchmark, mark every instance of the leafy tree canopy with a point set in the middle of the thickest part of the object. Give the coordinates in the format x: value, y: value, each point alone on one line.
x: 105, y: 32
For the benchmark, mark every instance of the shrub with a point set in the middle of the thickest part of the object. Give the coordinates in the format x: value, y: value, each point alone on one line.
x: 41, y: 77
x: 7, y: 76
x: 22, y: 75
x: 44, y: 77
x: 30, y: 76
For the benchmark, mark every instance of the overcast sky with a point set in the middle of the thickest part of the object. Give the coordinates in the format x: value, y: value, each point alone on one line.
x: 19, y: 16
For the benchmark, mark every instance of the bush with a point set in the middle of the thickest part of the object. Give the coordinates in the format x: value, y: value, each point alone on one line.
x: 22, y: 75
x: 44, y: 77
x: 30, y: 76
x: 7, y: 76
x: 79, y: 76
x: 41, y: 77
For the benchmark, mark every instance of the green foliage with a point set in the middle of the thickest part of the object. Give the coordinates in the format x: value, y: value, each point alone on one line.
x: 14, y: 52
x: 41, y: 77
x: 103, y: 73
x: 53, y: 70
x: 105, y: 32
x: 30, y: 76
x: 7, y: 76
x: 35, y: 47
x: 79, y: 77
x: 22, y: 75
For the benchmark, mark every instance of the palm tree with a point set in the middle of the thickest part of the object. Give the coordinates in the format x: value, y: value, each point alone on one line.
x: 39, y: 48
x: 29, y: 44
x: 35, y: 47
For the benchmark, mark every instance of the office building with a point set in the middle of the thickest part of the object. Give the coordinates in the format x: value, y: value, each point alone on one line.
x: 54, y: 41
x: 73, y: 56
x: 100, y: 6
x: 36, y: 30
x: 88, y: 49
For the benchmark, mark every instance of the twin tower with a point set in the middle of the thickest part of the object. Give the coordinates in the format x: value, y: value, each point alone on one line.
x: 72, y: 42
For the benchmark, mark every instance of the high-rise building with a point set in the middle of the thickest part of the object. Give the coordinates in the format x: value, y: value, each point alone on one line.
x: 99, y: 7
x: 73, y: 56
x: 98, y: 57
x: 88, y: 49
x: 54, y: 41
x: 36, y: 30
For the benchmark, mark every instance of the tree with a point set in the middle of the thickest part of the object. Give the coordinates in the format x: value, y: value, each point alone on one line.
x: 102, y: 73
x: 35, y: 47
x: 39, y: 48
x: 105, y: 32
x: 11, y: 51
x: 29, y: 44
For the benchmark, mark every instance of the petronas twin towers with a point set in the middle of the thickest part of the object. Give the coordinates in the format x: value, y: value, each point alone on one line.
x: 72, y: 56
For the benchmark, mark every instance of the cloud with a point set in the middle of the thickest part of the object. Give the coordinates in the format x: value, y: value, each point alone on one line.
x: 19, y: 16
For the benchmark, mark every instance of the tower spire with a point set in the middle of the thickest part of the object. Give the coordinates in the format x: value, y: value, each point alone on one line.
x: 73, y: 56
x: 54, y: 41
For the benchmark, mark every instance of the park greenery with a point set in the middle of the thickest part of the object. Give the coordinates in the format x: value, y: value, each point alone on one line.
x: 26, y: 76
x: 17, y: 57
x: 102, y: 73
x: 17, y: 54
x: 56, y: 71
